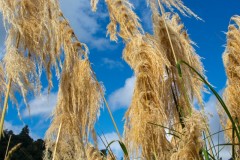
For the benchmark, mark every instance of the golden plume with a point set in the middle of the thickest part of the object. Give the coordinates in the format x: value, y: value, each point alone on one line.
x: 231, y: 59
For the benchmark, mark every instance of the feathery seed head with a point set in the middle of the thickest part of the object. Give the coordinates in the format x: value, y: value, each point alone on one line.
x: 121, y: 14
x: 190, y: 143
x: 231, y: 59
x: 77, y: 107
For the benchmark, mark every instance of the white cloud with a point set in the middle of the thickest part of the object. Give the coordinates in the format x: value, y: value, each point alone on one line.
x: 111, y: 64
x: 85, y: 22
x: 121, y: 98
x: 115, y: 147
x: 41, y: 105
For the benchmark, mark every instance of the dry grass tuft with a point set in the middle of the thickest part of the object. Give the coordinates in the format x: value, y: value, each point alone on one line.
x: 146, y: 59
x: 190, y: 144
x: 37, y: 23
x: 93, y: 153
x: 182, y: 46
x: 78, y: 105
x: 121, y: 13
x: 231, y: 59
x: 22, y: 74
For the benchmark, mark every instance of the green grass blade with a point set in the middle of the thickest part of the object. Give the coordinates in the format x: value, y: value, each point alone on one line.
x: 206, y: 155
x: 110, y: 150
x: 123, y: 147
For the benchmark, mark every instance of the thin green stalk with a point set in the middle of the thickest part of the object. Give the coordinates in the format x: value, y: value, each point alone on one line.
x: 205, y: 151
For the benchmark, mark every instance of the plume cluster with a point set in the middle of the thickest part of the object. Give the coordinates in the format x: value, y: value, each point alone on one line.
x: 122, y: 15
x: 180, y: 92
x: 146, y: 59
x: 79, y: 99
x: 32, y: 41
x: 159, y: 94
x: 231, y: 59
x: 37, y: 32
x: 189, y: 86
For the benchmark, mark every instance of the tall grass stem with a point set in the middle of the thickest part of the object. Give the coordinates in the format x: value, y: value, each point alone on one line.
x: 5, y: 107
x: 55, y: 148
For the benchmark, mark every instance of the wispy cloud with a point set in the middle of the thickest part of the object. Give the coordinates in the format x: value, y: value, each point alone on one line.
x: 112, y: 64
x: 41, y: 105
x: 86, y: 24
x: 121, y: 98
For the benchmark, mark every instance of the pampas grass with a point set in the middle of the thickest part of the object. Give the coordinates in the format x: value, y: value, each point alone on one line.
x: 78, y: 104
x: 231, y: 61
x: 93, y: 153
x: 121, y: 13
x: 32, y: 42
x: 146, y: 105
x: 158, y: 87
x: 38, y: 28
x: 40, y: 37
x: 190, y: 144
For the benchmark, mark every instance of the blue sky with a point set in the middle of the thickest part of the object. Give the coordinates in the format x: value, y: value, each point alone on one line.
x: 114, y: 73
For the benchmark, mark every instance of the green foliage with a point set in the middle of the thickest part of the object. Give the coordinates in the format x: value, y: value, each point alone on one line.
x: 29, y: 150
